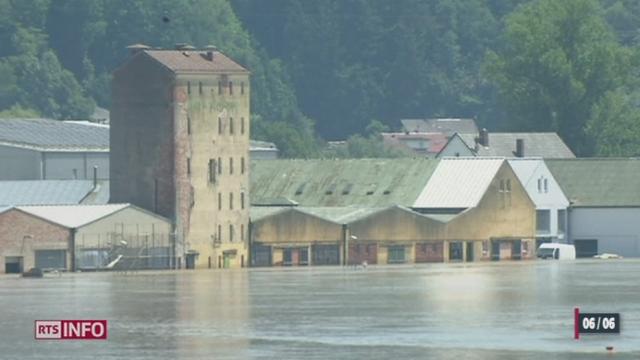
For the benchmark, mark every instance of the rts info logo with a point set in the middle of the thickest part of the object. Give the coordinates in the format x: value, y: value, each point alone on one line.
x: 70, y: 330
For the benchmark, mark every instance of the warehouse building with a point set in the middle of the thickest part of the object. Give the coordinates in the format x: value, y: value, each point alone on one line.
x: 604, y: 216
x: 83, y: 237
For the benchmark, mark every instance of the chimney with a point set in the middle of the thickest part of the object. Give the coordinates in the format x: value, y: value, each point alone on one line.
x: 519, y: 148
x: 136, y: 48
x: 210, y: 52
x: 484, y: 137
x: 95, y: 177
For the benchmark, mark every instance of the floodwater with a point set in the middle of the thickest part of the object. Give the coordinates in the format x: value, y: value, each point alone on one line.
x: 505, y: 310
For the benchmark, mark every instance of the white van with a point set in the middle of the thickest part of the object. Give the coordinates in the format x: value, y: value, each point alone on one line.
x: 557, y: 251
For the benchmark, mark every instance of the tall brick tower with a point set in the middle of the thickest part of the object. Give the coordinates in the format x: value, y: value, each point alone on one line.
x: 180, y: 148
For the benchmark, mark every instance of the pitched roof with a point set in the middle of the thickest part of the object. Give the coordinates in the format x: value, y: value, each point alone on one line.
x: 458, y: 182
x: 54, y: 135
x: 341, y: 182
x: 194, y: 61
x: 433, y: 142
x: 72, y: 216
x: 546, y: 145
x: 40, y: 192
x: 598, y: 182
x: 444, y: 125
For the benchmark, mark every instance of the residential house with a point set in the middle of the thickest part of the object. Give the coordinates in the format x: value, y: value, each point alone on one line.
x: 551, y: 202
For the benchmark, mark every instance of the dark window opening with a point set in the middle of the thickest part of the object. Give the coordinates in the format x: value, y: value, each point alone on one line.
x: 242, y: 88
x: 242, y: 165
x: 230, y: 201
x: 242, y: 126
x: 200, y: 87
x: 231, y: 165
x: 230, y: 88
x: 231, y: 126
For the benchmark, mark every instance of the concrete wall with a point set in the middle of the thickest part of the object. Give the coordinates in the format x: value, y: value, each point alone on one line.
x: 213, y: 128
x: 292, y: 227
x: 22, y: 234
x: 61, y: 165
x: 616, y: 229
x: 20, y: 164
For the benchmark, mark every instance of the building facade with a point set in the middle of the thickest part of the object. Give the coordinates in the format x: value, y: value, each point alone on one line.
x: 180, y: 148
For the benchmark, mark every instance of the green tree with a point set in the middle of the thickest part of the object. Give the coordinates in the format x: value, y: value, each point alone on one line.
x: 559, y: 61
x: 615, y: 125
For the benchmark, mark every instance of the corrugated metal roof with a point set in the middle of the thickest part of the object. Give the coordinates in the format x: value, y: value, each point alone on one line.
x: 546, y: 145
x: 194, y: 61
x: 44, y: 192
x: 598, y: 182
x: 458, y: 183
x: 72, y: 216
x: 341, y: 182
x: 53, y: 135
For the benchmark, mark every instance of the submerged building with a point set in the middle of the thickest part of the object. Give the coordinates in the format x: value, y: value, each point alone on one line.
x: 180, y: 148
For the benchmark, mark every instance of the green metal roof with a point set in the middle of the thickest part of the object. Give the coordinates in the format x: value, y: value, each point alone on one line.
x: 598, y: 182
x: 341, y: 182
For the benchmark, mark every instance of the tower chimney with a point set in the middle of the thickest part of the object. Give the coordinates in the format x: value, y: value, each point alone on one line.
x: 484, y: 137
x: 210, y: 52
x: 519, y: 148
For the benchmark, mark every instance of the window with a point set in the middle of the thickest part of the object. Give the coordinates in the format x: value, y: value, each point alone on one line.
x: 188, y: 166
x: 546, y: 185
x: 242, y: 200
x: 501, y: 185
x: 540, y: 185
x: 396, y: 255
x: 543, y: 221
x: 242, y: 88
x: 219, y: 126
x: 231, y: 126
x: 188, y: 124
x: 230, y: 201
x: 189, y: 87
x: 241, y: 232
x: 562, y: 221
x: 242, y: 165
x: 200, y: 87
x: 231, y: 165
x: 231, y: 233
x: 508, y: 185
x: 230, y: 88
x: 212, y: 171
x: 219, y: 201
x: 219, y: 87
x: 219, y: 166
x: 219, y: 233
x: 242, y: 125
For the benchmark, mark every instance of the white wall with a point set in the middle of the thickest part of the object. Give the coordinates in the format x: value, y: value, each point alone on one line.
x: 456, y: 146
x: 531, y: 172
x: 616, y: 229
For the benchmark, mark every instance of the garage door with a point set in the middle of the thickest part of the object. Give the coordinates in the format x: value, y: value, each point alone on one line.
x: 586, y: 248
x: 51, y: 259
x: 359, y: 253
x: 429, y: 252
x: 326, y: 254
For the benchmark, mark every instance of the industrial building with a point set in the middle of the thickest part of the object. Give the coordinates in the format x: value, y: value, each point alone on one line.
x: 604, y: 215
x: 84, y: 237
x: 180, y: 148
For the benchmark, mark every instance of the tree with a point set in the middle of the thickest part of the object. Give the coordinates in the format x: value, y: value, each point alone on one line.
x: 560, y: 59
x: 615, y: 125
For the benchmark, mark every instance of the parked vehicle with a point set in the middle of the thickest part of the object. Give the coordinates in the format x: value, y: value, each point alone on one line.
x: 557, y: 251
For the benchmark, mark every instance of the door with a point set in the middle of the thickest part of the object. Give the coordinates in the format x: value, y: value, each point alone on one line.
x: 505, y: 250
x: 191, y: 261
x: 359, y: 253
x: 13, y: 265
x: 516, y: 251
x: 226, y: 260
x: 495, y: 250
x: 455, y: 251
x: 261, y: 255
x: 326, y: 254
x: 51, y: 259
x: 396, y: 254
x: 586, y: 248
x: 470, y: 256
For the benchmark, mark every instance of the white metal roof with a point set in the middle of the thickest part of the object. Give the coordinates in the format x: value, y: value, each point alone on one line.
x: 72, y: 216
x: 458, y: 182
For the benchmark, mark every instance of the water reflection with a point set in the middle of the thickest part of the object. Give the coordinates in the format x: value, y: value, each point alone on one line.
x: 468, y: 311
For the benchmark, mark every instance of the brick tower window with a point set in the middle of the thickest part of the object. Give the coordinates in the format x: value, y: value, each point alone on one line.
x: 231, y: 165
x: 219, y: 126
x: 231, y: 126
x: 242, y: 165
x: 219, y: 201
x: 242, y: 126
x: 242, y: 88
x: 230, y: 87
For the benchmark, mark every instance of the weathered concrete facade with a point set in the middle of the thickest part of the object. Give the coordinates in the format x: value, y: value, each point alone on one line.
x: 22, y: 234
x: 180, y: 147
